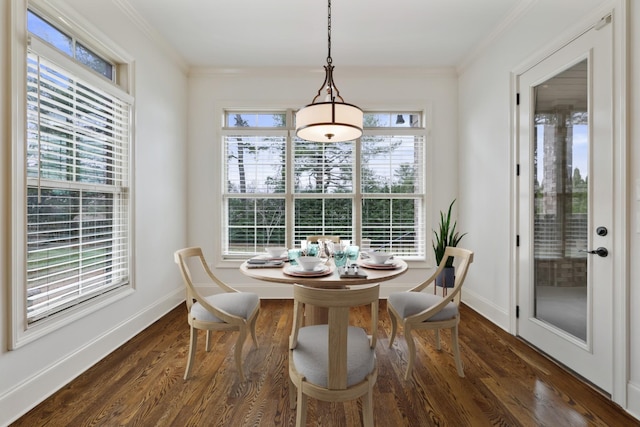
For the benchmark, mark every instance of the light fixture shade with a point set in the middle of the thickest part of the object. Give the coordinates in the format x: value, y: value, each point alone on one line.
x: 329, y: 122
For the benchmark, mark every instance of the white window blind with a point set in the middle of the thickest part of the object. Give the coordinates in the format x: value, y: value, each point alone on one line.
x: 393, y: 193
x: 279, y: 189
x: 77, y: 161
x: 323, y: 189
x: 255, y: 179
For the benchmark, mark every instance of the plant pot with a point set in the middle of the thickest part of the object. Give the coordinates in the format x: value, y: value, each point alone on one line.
x: 446, y: 279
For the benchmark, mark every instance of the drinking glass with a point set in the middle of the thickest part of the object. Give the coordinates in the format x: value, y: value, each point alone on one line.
x: 326, y: 248
x: 313, y: 249
x: 352, y: 253
x: 293, y: 255
x: 340, y: 258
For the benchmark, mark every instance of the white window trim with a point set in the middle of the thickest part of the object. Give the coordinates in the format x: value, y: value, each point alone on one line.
x: 20, y: 332
x: 220, y: 226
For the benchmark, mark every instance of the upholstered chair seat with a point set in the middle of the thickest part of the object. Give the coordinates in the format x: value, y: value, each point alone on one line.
x: 416, y: 309
x: 227, y: 309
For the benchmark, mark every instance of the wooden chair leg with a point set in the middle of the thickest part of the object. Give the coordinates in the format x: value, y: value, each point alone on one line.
x: 242, y: 335
x: 253, y: 330
x: 412, y: 350
x: 208, y: 344
x: 367, y: 408
x: 394, y: 327
x: 292, y: 394
x: 301, y: 412
x: 438, y: 345
x: 193, y: 341
x: 456, y: 351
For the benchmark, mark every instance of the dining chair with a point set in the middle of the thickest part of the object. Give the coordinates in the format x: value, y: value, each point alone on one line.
x: 420, y: 310
x: 334, y: 362
x: 227, y: 310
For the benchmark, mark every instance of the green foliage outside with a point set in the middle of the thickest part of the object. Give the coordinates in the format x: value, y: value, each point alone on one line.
x: 326, y: 169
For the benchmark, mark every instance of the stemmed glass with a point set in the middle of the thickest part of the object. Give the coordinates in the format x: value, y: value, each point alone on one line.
x: 352, y: 254
x: 340, y: 255
x: 326, y: 249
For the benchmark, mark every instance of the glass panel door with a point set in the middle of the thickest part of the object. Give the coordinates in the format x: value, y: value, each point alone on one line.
x: 561, y: 200
x: 565, y: 206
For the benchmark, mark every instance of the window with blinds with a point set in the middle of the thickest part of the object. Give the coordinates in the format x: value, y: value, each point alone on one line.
x: 323, y: 189
x: 281, y: 189
x: 393, y: 193
x: 77, y: 195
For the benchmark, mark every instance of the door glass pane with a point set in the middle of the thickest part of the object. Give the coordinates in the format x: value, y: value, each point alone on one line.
x: 561, y: 156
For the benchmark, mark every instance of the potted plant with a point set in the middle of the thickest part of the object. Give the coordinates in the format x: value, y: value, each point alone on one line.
x: 446, y: 235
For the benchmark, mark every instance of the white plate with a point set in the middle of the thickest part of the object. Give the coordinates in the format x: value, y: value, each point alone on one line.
x: 268, y: 257
x: 296, y: 270
x: 389, y: 265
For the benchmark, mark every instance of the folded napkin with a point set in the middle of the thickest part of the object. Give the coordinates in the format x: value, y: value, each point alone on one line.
x: 351, y: 274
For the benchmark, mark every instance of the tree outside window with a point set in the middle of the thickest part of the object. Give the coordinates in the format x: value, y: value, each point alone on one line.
x: 372, y: 188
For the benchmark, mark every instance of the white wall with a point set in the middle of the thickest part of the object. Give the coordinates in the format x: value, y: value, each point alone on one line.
x: 634, y: 210
x: 32, y: 372
x: 486, y: 163
x: 177, y: 122
x: 212, y: 90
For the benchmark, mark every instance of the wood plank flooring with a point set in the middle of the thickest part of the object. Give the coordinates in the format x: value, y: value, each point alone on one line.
x: 506, y: 384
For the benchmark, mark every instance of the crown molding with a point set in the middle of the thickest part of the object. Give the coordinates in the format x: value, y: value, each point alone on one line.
x: 478, y: 51
x: 155, y: 36
x: 380, y: 72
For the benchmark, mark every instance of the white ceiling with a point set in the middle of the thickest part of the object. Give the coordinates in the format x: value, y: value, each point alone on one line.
x: 293, y: 33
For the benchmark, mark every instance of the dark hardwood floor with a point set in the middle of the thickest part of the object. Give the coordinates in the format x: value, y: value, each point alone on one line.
x: 506, y: 384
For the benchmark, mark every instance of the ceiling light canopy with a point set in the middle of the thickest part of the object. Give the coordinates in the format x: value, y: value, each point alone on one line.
x: 332, y: 119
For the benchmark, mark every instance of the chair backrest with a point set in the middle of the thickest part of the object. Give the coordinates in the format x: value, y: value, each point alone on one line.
x: 338, y: 302
x: 195, y: 258
x: 334, y: 239
x: 462, y: 259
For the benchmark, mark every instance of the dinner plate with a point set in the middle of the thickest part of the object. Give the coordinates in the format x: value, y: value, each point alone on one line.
x: 389, y: 265
x: 270, y: 258
x: 296, y: 270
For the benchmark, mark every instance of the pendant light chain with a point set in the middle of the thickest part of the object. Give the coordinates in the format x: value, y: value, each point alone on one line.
x: 329, y: 60
x: 331, y: 119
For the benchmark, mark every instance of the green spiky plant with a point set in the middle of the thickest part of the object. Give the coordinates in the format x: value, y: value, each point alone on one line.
x: 446, y: 236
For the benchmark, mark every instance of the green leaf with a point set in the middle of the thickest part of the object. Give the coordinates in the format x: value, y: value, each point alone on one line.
x: 446, y: 235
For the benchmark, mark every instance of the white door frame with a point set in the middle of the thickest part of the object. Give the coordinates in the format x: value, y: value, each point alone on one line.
x: 620, y: 287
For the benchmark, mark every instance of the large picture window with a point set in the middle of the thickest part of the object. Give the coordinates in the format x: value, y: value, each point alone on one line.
x: 76, y: 188
x: 281, y: 189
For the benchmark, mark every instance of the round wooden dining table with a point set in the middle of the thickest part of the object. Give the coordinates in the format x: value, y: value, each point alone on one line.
x: 329, y: 281
x: 333, y: 280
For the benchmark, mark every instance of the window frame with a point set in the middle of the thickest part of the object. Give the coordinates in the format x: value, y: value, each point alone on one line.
x: 21, y: 332
x: 290, y: 197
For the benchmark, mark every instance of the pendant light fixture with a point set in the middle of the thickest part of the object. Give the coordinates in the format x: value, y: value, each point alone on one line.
x: 329, y: 119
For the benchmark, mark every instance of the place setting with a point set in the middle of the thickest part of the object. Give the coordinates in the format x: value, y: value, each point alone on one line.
x: 322, y: 262
x: 378, y: 260
x: 276, y: 256
x: 308, y: 266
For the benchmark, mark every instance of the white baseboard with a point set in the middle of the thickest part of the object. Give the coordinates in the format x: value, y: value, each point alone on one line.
x: 633, y: 399
x: 25, y: 396
x: 486, y: 309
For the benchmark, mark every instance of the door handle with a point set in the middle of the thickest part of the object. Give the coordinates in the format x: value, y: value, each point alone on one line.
x: 602, y: 252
